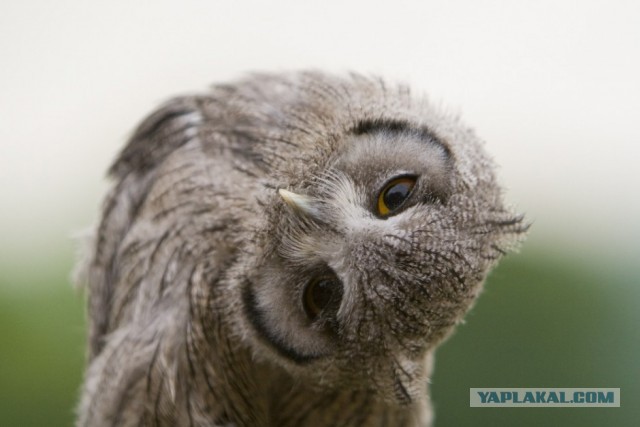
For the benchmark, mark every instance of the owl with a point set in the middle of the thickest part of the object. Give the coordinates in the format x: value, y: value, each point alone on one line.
x: 287, y: 250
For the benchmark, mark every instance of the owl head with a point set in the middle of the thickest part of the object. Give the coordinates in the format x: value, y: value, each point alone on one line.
x: 375, y: 241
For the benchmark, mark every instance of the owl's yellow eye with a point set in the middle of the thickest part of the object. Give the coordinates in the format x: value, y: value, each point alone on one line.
x: 394, y: 194
x: 320, y: 293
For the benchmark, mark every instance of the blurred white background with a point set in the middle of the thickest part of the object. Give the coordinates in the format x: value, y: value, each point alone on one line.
x: 552, y: 86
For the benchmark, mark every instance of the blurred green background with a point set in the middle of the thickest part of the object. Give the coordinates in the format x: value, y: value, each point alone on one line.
x: 545, y: 320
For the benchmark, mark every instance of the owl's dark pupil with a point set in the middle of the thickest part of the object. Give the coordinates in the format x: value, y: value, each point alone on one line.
x: 396, y: 194
x: 319, y: 293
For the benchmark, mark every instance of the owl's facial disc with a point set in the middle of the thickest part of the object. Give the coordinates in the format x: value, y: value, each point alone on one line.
x: 363, y: 197
x: 370, y: 263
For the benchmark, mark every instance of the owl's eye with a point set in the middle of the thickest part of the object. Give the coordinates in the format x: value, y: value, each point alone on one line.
x: 319, y: 293
x: 394, y: 194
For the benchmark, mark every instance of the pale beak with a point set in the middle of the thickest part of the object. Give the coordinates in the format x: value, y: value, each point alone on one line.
x: 299, y: 202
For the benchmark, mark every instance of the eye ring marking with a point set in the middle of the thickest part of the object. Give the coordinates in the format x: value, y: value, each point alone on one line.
x: 394, y: 194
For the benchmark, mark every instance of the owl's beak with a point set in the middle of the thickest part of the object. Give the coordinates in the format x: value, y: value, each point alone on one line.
x: 299, y: 202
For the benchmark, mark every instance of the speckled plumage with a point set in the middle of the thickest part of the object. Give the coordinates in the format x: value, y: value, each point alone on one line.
x: 198, y: 268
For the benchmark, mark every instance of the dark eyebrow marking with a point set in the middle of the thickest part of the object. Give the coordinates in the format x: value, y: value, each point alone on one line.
x: 382, y: 125
x: 396, y: 126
